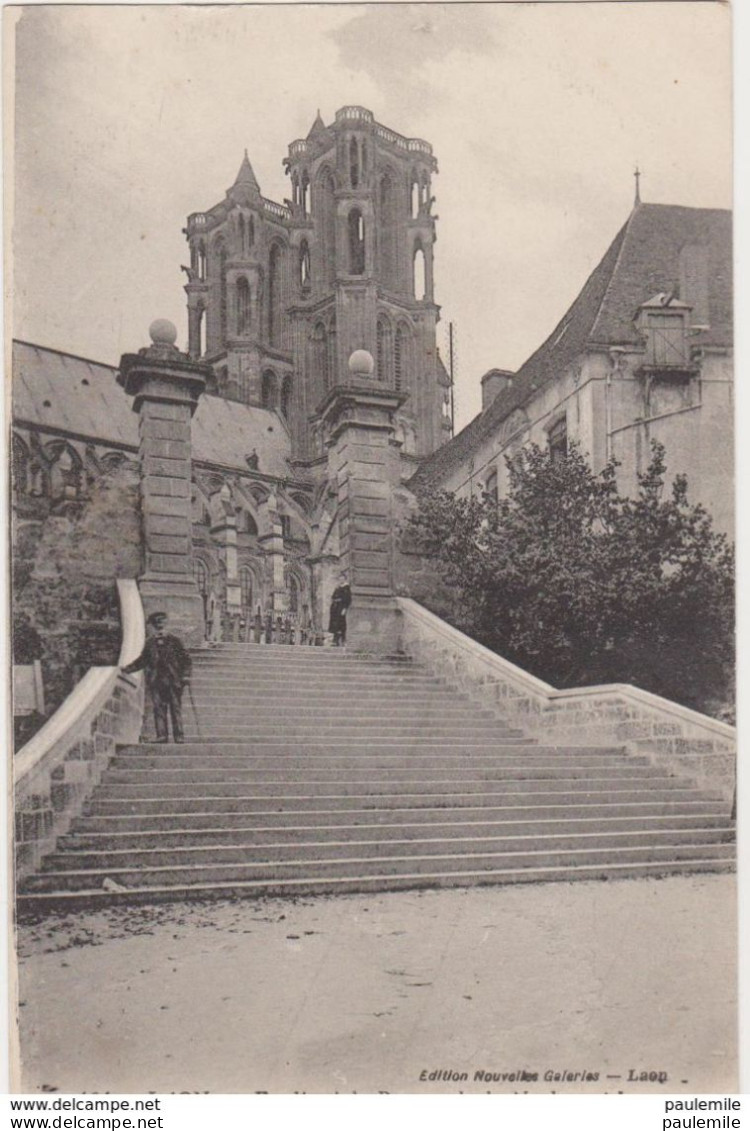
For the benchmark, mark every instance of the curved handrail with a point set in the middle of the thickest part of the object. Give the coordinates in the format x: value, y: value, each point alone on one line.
x: 49, y: 745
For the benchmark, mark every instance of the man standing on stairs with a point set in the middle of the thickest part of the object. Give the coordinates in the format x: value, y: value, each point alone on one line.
x: 340, y: 602
x: 168, y: 666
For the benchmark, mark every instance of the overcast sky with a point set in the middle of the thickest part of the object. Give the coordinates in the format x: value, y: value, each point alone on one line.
x: 129, y: 118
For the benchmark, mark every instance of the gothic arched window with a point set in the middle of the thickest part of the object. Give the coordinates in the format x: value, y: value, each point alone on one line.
x: 65, y: 473
x: 268, y: 389
x: 356, y: 243
x: 243, y: 306
x: 305, y: 194
x: 246, y: 591
x: 401, y: 357
x: 420, y: 277
x: 384, y: 349
x: 304, y: 264
x: 414, y: 196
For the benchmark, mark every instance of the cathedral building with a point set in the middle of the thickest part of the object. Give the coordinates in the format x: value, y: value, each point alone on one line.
x: 280, y: 295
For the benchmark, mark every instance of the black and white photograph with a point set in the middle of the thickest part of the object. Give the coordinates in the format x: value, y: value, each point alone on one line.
x: 370, y: 422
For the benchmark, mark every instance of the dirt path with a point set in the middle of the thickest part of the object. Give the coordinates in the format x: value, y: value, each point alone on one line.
x: 367, y: 993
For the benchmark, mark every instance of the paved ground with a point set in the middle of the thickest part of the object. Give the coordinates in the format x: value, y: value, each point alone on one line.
x: 367, y: 993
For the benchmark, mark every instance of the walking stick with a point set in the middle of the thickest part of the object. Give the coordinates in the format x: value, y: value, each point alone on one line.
x: 195, y: 713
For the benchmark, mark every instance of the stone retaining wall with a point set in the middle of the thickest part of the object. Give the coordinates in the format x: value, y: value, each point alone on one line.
x: 675, y: 738
x: 58, y: 769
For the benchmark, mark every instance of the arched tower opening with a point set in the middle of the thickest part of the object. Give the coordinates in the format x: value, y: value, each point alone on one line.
x: 356, y: 226
x: 419, y: 273
x: 354, y: 168
x: 304, y: 265
x: 269, y: 389
x: 244, y: 311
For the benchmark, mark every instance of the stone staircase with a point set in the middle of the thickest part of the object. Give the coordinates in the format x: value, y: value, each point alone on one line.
x: 318, y: 771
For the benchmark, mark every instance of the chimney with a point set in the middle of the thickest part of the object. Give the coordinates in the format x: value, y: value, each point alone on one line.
x: 495, y: 381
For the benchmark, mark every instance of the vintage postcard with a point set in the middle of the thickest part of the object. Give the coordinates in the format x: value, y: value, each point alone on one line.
x: 370, y: 403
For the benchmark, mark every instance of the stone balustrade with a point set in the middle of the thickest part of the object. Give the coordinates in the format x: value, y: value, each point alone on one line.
x: 686, y: 743
x: 58, y: 769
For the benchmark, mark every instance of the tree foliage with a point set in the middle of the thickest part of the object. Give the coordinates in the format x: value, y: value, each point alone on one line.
x: 580, y: 585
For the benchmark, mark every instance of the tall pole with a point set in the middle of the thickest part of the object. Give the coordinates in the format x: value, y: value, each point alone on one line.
x: 450, y: 362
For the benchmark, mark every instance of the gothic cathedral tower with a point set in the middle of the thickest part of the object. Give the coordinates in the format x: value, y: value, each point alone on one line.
x: 279, y: 296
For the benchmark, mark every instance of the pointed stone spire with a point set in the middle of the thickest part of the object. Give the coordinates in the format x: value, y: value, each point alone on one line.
x: 318, y: 127
x: 246, y: 176
x: 637, y: 175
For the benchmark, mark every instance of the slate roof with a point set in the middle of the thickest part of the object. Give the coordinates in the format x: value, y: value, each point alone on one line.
x: 85, y: 400
x: 643, y: 258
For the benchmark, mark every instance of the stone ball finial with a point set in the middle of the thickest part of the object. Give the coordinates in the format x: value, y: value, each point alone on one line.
x: 163, y: 332
x: 361, y: 364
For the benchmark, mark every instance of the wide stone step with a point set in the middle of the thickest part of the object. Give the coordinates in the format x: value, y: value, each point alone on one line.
x: 33, y: 904
x: 383, y: 761
x: 376, y: 848
x: 391, y: 864
x: 313, y: 681
x: 322, y: 659
x: 278, y: 784
x: 257, y: 801
x: 278, y: 746
x: 295, y: 693
x: 322, y: 670
x: 383, y: 728
x: 261, y: 835
x: 472, y: 808
x: 269, y: 714
x: 211, y: 778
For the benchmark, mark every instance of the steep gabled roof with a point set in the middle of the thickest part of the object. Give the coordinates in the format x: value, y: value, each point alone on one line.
x: 650, y: 263
x: 643, y: 258
x: 58, y: 392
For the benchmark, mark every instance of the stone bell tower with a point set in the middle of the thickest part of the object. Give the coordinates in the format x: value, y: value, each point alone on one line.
x: 280, y: 295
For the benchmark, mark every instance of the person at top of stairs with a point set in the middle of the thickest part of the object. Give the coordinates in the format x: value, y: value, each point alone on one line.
x: 168, y: 667
x: 340, y: 602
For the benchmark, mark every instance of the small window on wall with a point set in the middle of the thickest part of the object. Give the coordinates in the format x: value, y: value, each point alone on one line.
x: 557, y: 439
x: 490, y: 488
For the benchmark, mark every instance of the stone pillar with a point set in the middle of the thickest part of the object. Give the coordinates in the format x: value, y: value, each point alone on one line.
x: 166, y: 385
x: 224, y: 532
x: 272, y: 541
x: 363, y: 458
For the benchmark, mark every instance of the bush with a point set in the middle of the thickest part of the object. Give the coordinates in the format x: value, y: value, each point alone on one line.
x: 581, y: 585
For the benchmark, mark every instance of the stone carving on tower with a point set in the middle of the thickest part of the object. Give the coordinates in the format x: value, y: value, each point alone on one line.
x: 279, y: 296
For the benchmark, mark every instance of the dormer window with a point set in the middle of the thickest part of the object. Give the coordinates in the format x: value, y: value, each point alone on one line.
x: 664, y: 323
